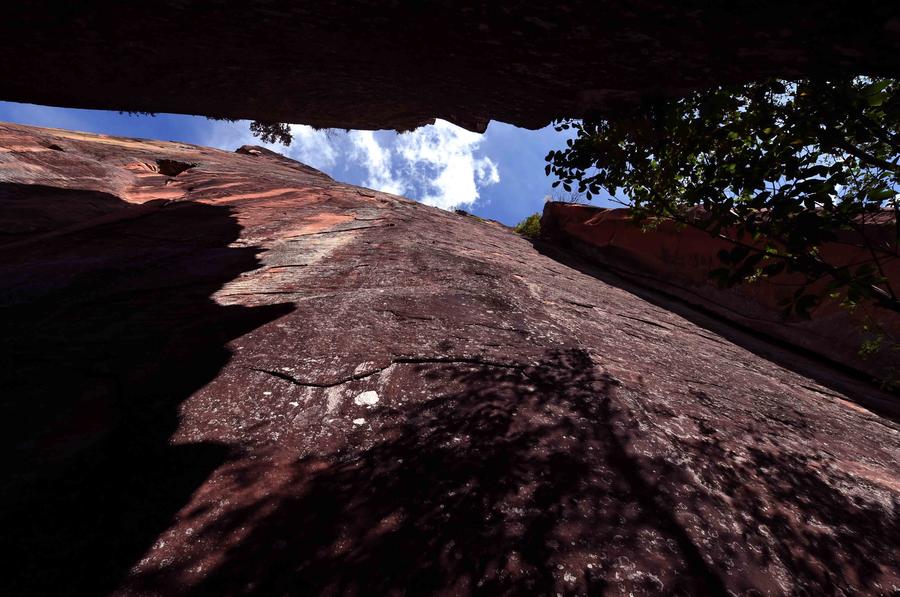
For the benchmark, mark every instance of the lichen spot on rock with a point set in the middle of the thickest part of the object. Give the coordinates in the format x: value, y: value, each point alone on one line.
x: 367, y: 398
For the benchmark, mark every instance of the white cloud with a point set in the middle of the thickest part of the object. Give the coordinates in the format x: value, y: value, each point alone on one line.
x: 442, y: 158
x: 377, y: 161
x: 436, y: 164
x: 311, y: 146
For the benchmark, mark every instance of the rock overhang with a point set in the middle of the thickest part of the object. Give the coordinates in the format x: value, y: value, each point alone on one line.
x: 370, y: 65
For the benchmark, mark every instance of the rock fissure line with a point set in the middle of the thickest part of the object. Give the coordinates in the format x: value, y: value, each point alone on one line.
x: 265, y: 292
x: 577, y: 304
x: 647, y: 321
x: 291, y: 238
x: 395, y: 361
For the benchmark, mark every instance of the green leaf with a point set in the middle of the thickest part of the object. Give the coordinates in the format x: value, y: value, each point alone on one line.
x: 881, y: 194
x: 875, y: 88
x: 759, y: 159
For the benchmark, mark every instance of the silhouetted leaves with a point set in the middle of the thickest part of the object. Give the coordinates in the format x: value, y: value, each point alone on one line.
x: 271, y: 132
x: 777, y: 168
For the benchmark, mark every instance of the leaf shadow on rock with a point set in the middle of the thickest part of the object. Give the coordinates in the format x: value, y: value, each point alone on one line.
x: 106, y: 331
x: 538, y: 479
x: 504, y: 483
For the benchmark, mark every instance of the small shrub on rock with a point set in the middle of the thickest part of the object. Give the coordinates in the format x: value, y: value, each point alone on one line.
x: 530, y: 226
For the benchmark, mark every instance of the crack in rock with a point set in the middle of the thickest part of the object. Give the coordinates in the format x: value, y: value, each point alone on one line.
x: 395, y: 361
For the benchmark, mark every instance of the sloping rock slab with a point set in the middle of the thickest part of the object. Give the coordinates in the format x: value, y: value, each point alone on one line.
x: 678, y: 260
x: 248, y: 378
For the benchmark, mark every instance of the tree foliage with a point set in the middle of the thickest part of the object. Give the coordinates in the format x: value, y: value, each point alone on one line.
x: 271, y: 132
x: 530, y: 226
x: 777, y: 168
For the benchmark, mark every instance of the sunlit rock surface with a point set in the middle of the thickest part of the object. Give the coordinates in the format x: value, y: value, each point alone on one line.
x: 376, y: 64
x: 226, y: 373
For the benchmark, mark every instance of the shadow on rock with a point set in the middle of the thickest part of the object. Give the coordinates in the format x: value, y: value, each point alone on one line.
x: 831, y: 374
x: 31, y: 209
x: 517, y: 482
x: 105, y: 332
x: 530, y: 480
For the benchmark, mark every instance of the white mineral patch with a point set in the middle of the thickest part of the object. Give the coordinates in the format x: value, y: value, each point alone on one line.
x: 363, y: 367
x: 368, y: 398
x: 333, y: 397
x: 359, y: 421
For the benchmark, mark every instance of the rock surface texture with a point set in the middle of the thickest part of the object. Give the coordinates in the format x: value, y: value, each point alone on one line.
x: 377, y: 64
x: 230, y: 374
x: 678, y: 261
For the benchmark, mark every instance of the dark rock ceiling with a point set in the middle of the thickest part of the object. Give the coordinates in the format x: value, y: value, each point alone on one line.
x: 374, y: 64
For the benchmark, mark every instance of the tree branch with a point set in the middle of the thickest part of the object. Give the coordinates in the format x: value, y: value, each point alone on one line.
x: 863, y: 156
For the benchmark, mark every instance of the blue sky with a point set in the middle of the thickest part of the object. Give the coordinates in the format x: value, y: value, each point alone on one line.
x: 498, y: 174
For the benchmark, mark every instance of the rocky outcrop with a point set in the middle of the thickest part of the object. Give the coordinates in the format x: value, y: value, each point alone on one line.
x: 227, y: 373
x: 376, y: 64
x: 677, y: 260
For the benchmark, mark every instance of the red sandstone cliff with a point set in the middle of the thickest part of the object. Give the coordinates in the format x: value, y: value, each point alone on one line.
x: 228, y: 373
x: 678, y: 261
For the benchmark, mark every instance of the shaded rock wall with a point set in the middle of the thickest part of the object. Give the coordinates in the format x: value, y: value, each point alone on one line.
x: 374, y: 64
x: 245, y: 377
x: 678, y: 261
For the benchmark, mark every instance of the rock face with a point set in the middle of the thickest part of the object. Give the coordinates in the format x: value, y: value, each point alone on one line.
x: 678, y: 260
x: 228, y: 373
x: 376, y: 64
